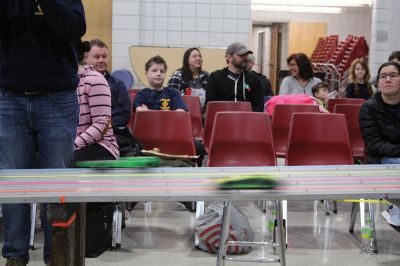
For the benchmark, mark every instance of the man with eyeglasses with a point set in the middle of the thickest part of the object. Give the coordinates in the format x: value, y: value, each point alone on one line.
x: 380, y: 126
x: 234, y: 82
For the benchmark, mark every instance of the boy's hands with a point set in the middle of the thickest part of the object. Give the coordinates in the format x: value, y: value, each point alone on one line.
x: 142, y: 108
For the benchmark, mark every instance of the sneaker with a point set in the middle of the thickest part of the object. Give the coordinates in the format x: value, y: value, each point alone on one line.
x: 14, y: 262
x: 392, y: 217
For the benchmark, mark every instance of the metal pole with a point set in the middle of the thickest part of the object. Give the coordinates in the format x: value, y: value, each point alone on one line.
x: 226, y: 217
x: 353, y: 216
x: 281, y: 229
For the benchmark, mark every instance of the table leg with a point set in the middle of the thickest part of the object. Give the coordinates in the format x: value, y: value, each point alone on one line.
x: 226, y: 217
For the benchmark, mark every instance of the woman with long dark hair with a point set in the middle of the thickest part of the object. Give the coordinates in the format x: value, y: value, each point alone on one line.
x: 191, y: 79
x: 301, y: 79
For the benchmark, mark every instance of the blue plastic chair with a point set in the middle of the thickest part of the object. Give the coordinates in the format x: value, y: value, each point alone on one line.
x: 125, y: 76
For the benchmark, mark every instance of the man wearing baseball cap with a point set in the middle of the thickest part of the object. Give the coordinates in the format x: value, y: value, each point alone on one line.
x: 234, y: 82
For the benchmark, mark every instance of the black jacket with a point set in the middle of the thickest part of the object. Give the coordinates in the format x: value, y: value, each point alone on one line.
x: 221, y: 87
x: 120, y: 101
x: 265, y: 84
x: 378, y: 128
x: 38, y: 44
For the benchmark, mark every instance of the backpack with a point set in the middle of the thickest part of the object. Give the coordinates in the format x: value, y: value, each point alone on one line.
x: 128, y: 145
x: 99, y: 221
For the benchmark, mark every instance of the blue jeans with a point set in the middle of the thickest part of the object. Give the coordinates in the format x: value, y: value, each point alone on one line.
x: 390, y: 160
x: 36, y: 131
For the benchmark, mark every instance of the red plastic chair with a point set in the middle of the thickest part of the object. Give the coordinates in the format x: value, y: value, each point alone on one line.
x: 220, y: 106
x: 318, y: 139
x: 170, y: 131
x: 241, y: 139
x: 281, y: 121
x: 352, y: 111
x: 194, y: 107
x: 330, y: 104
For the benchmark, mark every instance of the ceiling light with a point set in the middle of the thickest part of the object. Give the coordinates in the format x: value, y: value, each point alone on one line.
x: 297, y: 8
x: 333, y: 3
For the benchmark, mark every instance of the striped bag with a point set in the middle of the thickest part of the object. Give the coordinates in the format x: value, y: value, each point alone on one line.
x: 208, y: 228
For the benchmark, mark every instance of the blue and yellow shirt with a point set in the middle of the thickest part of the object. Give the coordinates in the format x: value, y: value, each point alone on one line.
x: 164, y: 99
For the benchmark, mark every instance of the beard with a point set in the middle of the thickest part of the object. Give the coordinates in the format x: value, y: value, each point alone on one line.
x: 241, y: 65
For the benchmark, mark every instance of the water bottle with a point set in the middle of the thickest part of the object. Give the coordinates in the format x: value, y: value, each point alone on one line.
x: 367, y: 237
x: 271, y: 225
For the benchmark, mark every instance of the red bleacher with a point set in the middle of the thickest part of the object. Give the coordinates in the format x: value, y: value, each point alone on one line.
x: 339, y: 55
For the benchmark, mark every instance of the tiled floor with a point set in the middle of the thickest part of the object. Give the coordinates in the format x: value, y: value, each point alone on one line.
x: 165, y: 237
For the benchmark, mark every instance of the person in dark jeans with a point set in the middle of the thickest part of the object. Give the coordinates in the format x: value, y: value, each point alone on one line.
x: 38, y: 105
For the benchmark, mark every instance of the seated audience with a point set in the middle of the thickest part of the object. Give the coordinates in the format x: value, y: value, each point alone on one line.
x: 265, y: 83
x: 320, y: 92
x: 394, y: 57
x: 191, y: 79
x: 98, y: 57
x: 158, y: 97
x: 121, y: 105
x: 359, y: 86
x: 234, y: 82
x: 95, y: 139
x: 301, y: 78
x: 380, y: 126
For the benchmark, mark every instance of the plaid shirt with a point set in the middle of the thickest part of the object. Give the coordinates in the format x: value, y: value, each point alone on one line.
x: 176, y: 81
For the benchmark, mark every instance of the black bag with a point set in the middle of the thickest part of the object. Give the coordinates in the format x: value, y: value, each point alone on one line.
x: 99, y: 220
x: 128, y: 145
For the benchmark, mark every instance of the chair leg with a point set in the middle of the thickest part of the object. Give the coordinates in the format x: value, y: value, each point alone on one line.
x: 283, y: 205
x: 264, y: 206
x: 33, y: 224
x: 335, y: 207
x: 285, y: 219
x: 116, y: 228
x: 147, y: 207
x: 282, y: 233
x: 226, y: 217
x: 193, y: 206
x: 325, y: 203
x: 119, y: 225
x: 353, y: 216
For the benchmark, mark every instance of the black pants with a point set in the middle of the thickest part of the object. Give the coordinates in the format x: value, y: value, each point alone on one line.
x: 92, y: 152
x: 200, y: 150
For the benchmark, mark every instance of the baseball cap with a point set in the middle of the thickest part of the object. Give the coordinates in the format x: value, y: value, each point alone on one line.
x: 237, y: 48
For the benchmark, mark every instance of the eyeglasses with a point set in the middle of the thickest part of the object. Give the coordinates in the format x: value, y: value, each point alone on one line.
x: 391, y: 75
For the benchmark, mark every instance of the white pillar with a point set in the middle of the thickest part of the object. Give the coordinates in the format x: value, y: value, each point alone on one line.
x: 384, y: 32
